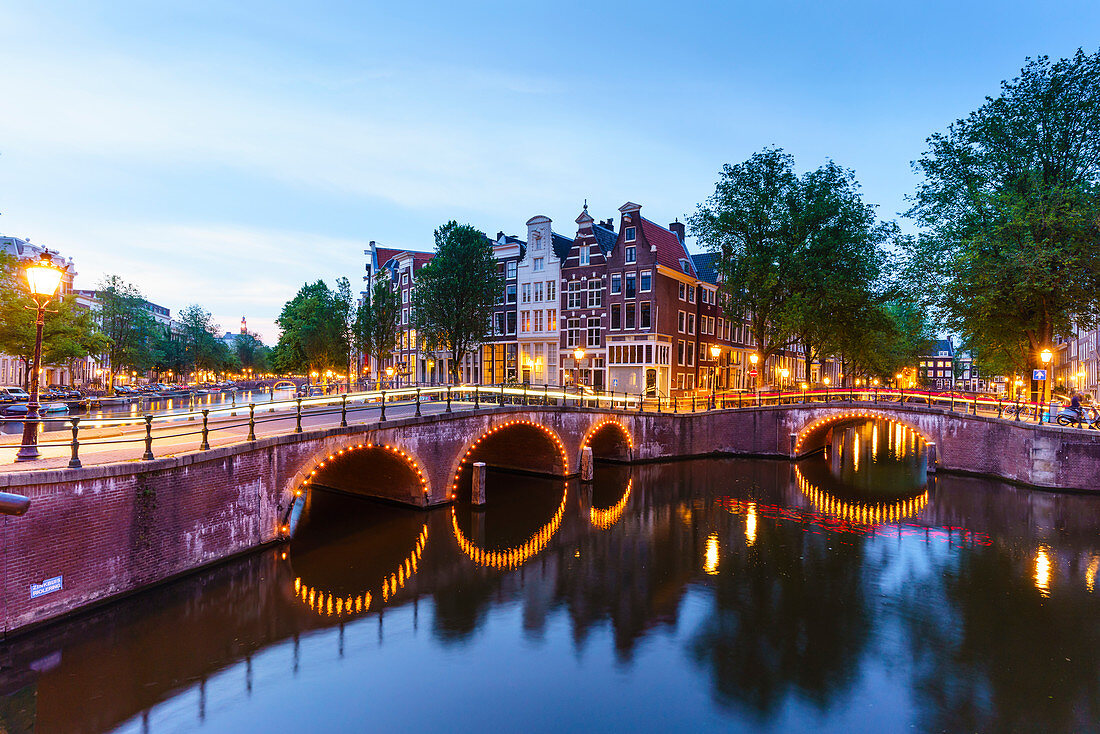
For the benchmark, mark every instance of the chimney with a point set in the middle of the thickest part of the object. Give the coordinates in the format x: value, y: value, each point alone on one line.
x: 500, y: 235
x: 678, y: 228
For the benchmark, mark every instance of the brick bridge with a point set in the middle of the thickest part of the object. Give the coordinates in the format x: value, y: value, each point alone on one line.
x: 110, y: 529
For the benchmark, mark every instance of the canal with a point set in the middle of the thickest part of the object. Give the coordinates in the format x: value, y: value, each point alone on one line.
x: 846, y: 592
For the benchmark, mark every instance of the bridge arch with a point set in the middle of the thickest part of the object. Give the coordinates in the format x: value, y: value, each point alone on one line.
x: 811, y: 435
x: 514, y: 445
x: 609, y: 440
x: 516, y: 556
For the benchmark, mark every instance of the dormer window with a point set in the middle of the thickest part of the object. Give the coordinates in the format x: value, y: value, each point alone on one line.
x: 685, y: 265
x: 630, y: 234
x: 631, y: 254
x: 584, y: 254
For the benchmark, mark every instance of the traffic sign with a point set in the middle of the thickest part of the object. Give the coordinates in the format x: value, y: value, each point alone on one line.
x: 1038, y: 374
x: 752, y: 373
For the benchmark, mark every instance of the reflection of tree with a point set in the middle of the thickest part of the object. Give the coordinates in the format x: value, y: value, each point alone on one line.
x: 998, y: 656
x: 790, y: 616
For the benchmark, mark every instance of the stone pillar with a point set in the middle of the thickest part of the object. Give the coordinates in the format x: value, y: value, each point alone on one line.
x: 477, y: 490
x: 794, y: 443
x: 586, y: 464
x: 930, y: 448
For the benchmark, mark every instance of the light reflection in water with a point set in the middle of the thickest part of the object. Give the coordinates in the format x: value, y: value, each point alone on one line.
x: 512, y: 557
x: 1090, y: 573
x: 1042, y: 571
x: 710, y: 560
x: 606, y: 518
x: 750, y: 523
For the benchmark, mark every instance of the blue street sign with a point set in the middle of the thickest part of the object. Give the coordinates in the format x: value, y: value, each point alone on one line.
x: 1038, y: 374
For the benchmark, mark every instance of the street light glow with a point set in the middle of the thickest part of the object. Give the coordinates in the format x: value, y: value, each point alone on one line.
x: 43, y: 276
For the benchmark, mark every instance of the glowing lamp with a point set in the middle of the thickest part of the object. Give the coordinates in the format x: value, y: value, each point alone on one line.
x: 715, y: 351
x: 1045, y: 355
x: 754, y: 358
x: 43, y: 276
x: 578, y: 354
x: 826, y: 380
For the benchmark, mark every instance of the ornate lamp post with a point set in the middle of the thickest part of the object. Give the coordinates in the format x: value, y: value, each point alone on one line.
x: 389, y: 374
x: 715, y: 353
x: 578, y: 355
x: 43, y: 277
x: 431, y: 371
x: 1045, y: 356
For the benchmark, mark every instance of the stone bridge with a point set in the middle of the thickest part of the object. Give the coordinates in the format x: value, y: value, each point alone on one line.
x: 100, y: 531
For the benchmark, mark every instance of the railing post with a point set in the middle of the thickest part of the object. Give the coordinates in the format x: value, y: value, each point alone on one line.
x: 739, y: 399
x: 641, y: 401
x: 205, y: 445
x: 546, y: 392
x: 298, y: 427
x: 658, y: 401
x: 74, y: 462
x: 1000, y: 410
x: 525, y: 400
x: 693, y: 404
x: 344, y: 410
x: 448, y: 398
x: 382, y: 415
x: 418, y: 402
x: 148, y: 455
x: 251, y: 421
x: 675, y: 403
x: 952, y: 396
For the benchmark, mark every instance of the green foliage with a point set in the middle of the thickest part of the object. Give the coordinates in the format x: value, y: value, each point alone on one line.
x: 375, y: 329
x: 198, y: 337
x: 314, y: 331
x: 1010, y: 253
x: 801, y: 256
x: 251, y: 353
x: 130, y: 330
x: 455, y: 292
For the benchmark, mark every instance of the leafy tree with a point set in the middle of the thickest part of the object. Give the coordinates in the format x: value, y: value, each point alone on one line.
x: 313, y: 331
x: 198, y: 336
x: 376, y: 329
x: 1010, y: 252
x: 455, y: 292
x: 69, y: 332
x: 345, y: 306
x: 129, y: 328
x: 251, y: 353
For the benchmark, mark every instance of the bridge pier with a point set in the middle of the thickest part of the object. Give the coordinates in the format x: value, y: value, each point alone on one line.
x: 477, y: 491
x: 587, y: 469
x: 930, y: 449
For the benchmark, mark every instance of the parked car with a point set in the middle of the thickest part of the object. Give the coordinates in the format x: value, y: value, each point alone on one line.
x: 13, y: 395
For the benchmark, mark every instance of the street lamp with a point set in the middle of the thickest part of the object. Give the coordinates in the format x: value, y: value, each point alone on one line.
x: 578, y: 355
x: 825, y: 380
x: 43, y: 277
x: 389, y: 373
x: 431, y: 370
x: 715, y: 353
x: 1045, y: 356
x: 753, y: 359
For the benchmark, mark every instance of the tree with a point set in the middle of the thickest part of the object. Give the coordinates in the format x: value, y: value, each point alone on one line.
x: 800, y: 256
x: 128, y: 326
x: 69, y: 332
x: 375, y: 330
x: 313, y: 328
x: 251, y: 353
x: 1009, y: 256
x: 345, y: 307
x: 198, y: 336
x: 455, y: 292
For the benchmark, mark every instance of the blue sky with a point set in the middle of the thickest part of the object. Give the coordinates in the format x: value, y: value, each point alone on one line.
x: 224, y: 153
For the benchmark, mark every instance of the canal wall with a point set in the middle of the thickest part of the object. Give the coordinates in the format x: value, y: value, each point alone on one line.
x: 98, y: 532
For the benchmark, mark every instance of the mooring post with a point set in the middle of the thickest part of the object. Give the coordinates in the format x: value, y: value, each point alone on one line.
x: 587, y: 470
x: 477, y: 489
x: 931, y: 457
x: 74, y: 462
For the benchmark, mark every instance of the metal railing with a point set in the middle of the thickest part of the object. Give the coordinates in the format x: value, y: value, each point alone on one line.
x: 322, y: 411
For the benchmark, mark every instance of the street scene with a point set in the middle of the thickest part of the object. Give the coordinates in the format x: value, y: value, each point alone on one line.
x: 346, y: 348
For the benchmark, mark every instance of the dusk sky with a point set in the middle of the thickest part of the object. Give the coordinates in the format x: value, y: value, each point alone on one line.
x: 224, y: 153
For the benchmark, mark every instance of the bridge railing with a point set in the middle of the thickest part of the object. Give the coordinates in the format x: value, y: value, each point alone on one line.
x: 176, y: 429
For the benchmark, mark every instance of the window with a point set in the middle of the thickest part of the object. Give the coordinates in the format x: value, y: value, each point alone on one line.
x: 680, y: 352
x: 584, y: 254
x: 405, y: 296
x: 691, y: 294
x: 630, y: 313
x: 616, y: 316
x: 404, y: 316
x: 551, y: 290
x: 573, y: 297
x: 511, y: 270
x: 691, y: 354
x: 510, y: 294
x: 630, y: 234
x: 593, y: 332
x: 616, y: 283
x: 525, y: 321
x: 511, y: 322
x: 631, y: 254
x: 645, y: 317
x: 647, y: 281
x: 552, y: 320
x: 681, y: 322
x: 630, y: 289
x: 572, y: 332
x: 683, y: 297
x: 404, y: 278
x: 595, y: 293
x: 538, y: 292
x: 539, y: 264
x: 538, y: 320
x: 691, y: 323
x: 500, y: 323
x: 525, y: 294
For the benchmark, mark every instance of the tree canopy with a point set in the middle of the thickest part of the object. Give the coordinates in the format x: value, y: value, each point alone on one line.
x: 455, y: 292
x: 130, y: 330
x: 314, y: 331
x: 1009, y: 256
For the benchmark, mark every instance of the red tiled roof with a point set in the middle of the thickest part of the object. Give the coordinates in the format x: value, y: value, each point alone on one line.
x: 669, y: 248
x: 385, y: 253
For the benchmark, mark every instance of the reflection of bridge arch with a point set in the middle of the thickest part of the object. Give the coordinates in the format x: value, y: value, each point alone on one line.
x: 513, y: 455
x: 397, y: 476
x: 327, y: 603
x: 609, y: 440
x: 864, y: 513
x: 519, y: 555
x: 818, y: 425
x: 608, y: 517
